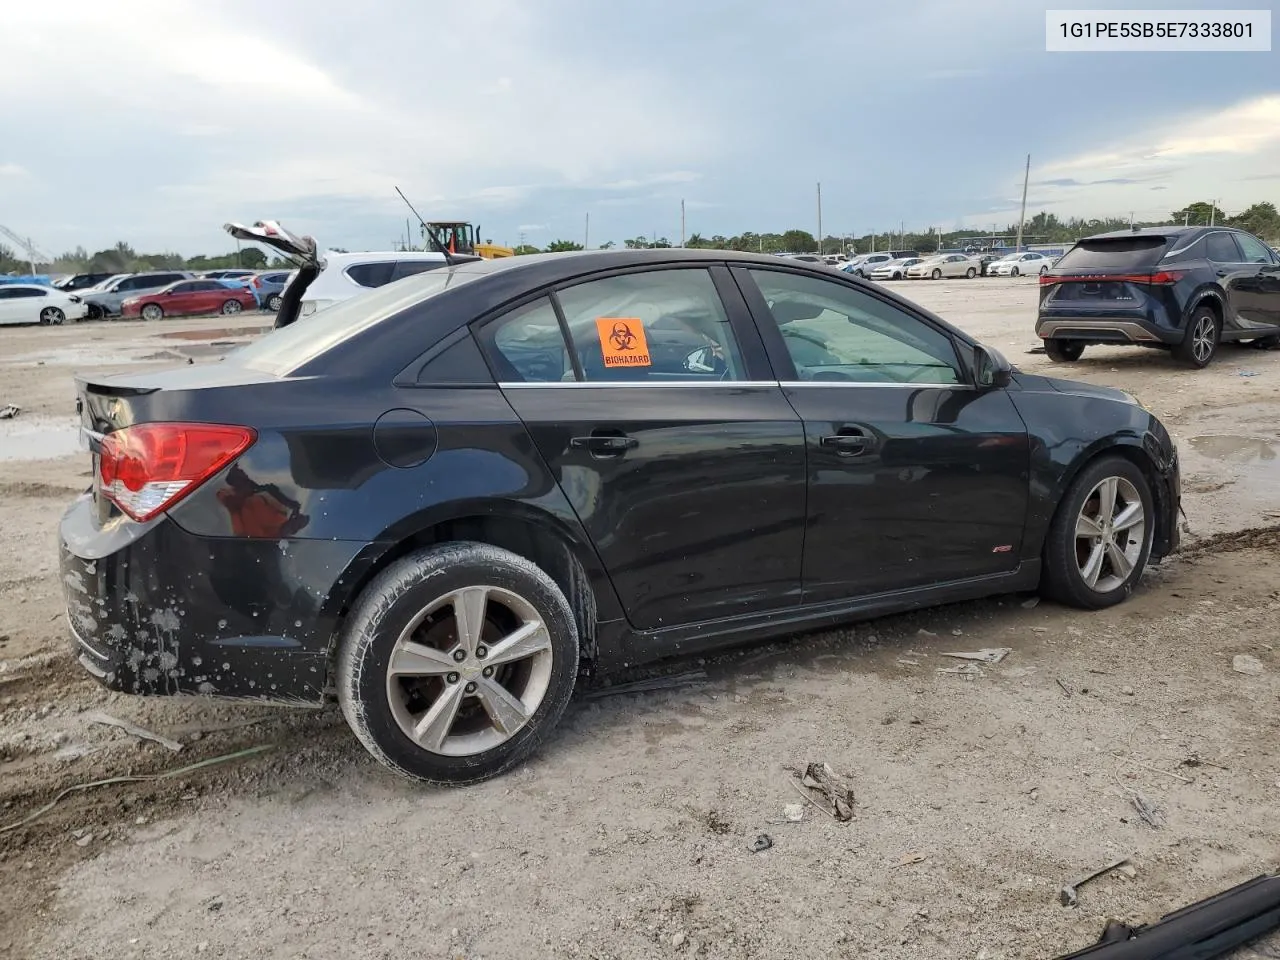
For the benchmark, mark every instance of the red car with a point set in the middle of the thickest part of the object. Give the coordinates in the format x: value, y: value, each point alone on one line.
x: 188, y: 297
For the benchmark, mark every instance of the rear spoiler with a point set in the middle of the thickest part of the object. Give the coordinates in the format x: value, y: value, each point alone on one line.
x: 1202, y: 930
x: 300, y: 249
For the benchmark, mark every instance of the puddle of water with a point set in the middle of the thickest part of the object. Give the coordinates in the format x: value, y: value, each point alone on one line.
x: 73, y: 357
x: 38, y: 438
x: 1236, y: 449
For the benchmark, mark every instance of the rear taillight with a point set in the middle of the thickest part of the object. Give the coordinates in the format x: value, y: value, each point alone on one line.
x: 146, y: 469
x: 1163, y: 277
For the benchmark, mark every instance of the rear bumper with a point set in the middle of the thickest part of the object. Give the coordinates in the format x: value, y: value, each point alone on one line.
x: 1097, y: 329
x: 154, y: 610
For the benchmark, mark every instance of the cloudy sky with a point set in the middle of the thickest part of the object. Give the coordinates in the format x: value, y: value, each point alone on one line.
x: 155, y: 121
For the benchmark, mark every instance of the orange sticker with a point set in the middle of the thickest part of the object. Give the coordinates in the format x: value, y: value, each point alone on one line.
x: 622, y: 342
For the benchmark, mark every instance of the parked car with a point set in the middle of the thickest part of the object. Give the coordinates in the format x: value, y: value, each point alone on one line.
x: 862, y: 265
x: 343, y: 275
x: 268, y: 287
x: 81, y: 281
x: 894, y: 269
x: 1183, y: 289
x: 446, y: 497
x: 1015, y: 264
x: 31, y: 303
x: 944, y: 265
x: 106, y: 299
x: 234, y: 273
x: 189, y: 297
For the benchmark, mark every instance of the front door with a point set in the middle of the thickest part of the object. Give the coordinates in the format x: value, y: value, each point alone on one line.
x: 1258, y: 287
x: 916, y: 477
x: 669, y: 436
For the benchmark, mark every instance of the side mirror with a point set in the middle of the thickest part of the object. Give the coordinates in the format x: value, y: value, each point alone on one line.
x: 990, y: 367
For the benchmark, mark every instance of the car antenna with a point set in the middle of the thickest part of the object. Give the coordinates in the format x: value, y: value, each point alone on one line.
x: 427, y: 232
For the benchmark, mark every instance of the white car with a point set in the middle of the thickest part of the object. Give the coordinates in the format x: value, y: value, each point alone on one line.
x: 861, y: 266
x: 32, y: 303
x: 343, y: 275
x: 1021, y: 264
x: 944, y: 265
x: 894, y: 269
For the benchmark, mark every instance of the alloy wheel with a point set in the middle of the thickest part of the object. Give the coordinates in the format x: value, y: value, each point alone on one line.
x: 1202, y: 339
x: 51, y: 315
x: 152, y: 312
x: 230, y: 307
x: 469, y: 670
x: 1110, y: 534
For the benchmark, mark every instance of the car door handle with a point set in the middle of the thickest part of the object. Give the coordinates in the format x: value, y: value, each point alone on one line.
x: 848, y: 444
x: 605, y: 445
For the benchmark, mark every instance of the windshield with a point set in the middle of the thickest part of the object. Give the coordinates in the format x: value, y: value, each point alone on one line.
x: 286, y: 349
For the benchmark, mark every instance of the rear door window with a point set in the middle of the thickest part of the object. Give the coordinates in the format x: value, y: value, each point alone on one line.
x: 658, y: 325
x: 375, y: 274
x: 407, y: 268
x: 1119, y: 253
x: 1221, y: 248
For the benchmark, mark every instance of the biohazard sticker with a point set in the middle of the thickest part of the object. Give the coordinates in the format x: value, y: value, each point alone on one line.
x: 622, y: 342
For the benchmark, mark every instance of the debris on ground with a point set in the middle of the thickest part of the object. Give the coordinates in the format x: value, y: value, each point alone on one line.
x: 1061, y: 683
x: 133, y: 730
x: 1127, y: 690
x: 9, y: 411
x: 966, y: 670
x: 1031, y: 604
x: 922, y: 632
x: 1035, y: 350
x: 1248, y: 373
x: 1068, y: 895
x: 821, y: 779
x: 762, y: 842
x: 793, y: 812
x: 909, y: 858
x: 1243, y: 663
x: 669, y: 682
x: 985, y: 655
x: 1146, y: 809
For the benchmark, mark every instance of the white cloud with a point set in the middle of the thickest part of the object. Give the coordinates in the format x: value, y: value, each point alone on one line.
x: 13, y: 170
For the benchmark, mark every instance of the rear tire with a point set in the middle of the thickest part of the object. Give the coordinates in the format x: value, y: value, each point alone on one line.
x: 231, y: 307
x: 1043, y: 271
x: 971, y: 273
x: 1093, y: 570
x: 274, y: 302
x: 1063, y: 351
x: 1200, y: 345
x: 419, y: 715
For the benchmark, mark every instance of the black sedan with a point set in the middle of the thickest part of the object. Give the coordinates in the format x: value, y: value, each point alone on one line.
x: 447, y: 496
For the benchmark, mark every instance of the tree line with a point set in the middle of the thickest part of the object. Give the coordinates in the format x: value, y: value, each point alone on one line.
x: 1260, y: 219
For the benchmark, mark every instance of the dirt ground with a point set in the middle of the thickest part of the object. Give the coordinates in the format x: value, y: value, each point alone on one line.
x: 978, y: 796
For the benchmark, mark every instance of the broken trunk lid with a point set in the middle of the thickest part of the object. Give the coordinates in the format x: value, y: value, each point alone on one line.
x: 299, y: 248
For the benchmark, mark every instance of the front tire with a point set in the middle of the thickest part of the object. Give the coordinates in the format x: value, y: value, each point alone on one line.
x: 1100, y: 537
x: 52, y: 315
x: 937, y: 274
x: 153, y: 311
x: 1063, y: 351
x: 231, y: 307
x: 1013, y: 272
x: 457, y: 662
x: 1200, y: 345
x: 94, y: 312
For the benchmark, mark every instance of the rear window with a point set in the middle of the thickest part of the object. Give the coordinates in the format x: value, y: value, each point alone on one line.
x: 371, y: 274
x: 1121, y: 253
x: 288, y: 348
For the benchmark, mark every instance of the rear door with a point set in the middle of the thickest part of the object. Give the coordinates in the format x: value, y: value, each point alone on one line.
x: 916, y: 477
x: 667, y: 431
x: 10, y: 305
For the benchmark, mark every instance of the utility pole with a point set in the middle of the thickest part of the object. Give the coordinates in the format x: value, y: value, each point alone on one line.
x: 682, y: 222
x: 1186, y: 217
x: 238, y: 263
x: 1022, y: 218
x: 1130, y: 219
x: 586, y: 232
x: 819, y: 218
x: 1213, y: 211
